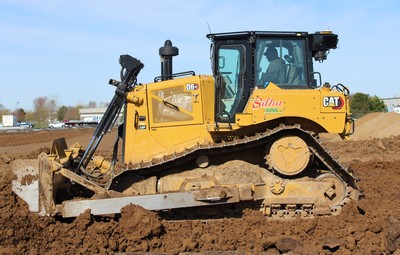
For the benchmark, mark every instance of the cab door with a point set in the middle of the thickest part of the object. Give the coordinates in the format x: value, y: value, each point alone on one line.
x: 232, y: 79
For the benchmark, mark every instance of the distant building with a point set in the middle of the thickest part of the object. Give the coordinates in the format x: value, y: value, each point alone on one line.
x: 392, y: 104
x: 96, y: 114
x: 9, y: 120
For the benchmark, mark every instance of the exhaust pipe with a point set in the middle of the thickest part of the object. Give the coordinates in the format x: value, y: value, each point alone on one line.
x: 166, y: 53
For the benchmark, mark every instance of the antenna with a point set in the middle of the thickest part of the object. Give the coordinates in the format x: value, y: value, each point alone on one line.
x: 209, y: 29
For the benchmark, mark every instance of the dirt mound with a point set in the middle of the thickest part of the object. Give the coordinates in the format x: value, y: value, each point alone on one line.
x: 367, y: 118
x: 372, y: 227
x: 374, y: 125
x: 377, y: 125
x: 137, y: 223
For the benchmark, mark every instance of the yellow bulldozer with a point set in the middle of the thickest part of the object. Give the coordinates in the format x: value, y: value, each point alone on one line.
x: 264, y: 98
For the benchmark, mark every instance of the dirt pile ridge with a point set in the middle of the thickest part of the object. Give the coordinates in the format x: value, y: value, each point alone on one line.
x: 374, y: 125
x: 377, y: 125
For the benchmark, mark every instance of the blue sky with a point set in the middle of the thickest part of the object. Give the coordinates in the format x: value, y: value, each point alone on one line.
x: 68, y: 50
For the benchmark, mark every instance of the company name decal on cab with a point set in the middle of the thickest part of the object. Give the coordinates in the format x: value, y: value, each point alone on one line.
x: 335, y: 102
x: 270, y: 105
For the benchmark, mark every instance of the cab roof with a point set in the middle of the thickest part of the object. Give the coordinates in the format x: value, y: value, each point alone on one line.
x: 246, y: 34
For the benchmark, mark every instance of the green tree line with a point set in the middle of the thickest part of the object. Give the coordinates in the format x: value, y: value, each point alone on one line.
x: 362, y: 104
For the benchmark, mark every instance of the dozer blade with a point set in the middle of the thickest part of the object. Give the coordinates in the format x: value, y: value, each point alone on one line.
x: 26, y: 182
x: 155, y: 202
x: 33, y: 183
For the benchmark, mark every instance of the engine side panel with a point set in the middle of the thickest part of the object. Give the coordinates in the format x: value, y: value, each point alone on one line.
x: 327, y: 108
x: 171, y: 117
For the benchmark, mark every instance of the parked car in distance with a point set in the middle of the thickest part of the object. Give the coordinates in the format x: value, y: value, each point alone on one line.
x: 57, y: 124
x: 25, y: 124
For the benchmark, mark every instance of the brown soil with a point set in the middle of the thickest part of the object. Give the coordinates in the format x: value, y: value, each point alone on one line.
x: 371, y: 126
x: 372, y: 227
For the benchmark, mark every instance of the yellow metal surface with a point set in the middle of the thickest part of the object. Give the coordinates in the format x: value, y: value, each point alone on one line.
x: 254, y: 184
x: 337, y: 190
x: 102, y: 164
x: 324, y: 107
x: 298, y: 191
x: 289, y: 155
x: 172, y: 116
x: 244, y: 119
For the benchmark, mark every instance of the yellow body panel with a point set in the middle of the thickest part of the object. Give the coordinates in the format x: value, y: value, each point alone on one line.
x: 172, y: 116
x: 323, y: 106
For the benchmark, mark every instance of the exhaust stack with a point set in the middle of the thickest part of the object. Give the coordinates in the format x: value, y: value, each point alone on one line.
x: 166, y: 53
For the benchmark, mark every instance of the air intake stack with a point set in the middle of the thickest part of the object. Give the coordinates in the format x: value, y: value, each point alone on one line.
x: 166, y: 53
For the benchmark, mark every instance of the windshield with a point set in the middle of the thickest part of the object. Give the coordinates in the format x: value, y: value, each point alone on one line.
x: 280, y: 61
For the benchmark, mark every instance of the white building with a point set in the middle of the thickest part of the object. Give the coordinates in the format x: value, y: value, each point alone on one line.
x: 96, y: 114
x: 392, y: 104
x: 9, y: 120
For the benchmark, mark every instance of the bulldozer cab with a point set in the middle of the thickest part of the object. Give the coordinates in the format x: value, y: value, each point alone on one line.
x: 244, y: 61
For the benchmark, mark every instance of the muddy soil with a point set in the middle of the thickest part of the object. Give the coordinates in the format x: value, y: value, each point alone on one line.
x: 372, y: 227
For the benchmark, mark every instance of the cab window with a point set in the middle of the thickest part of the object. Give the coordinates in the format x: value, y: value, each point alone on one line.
x: 231, y: 67
x: 280, y: 61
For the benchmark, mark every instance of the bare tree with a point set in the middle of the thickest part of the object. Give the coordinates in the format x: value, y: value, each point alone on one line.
x: 40, y: 110
x: 39, y: 103
x: 92, y: 104
x: 44, y: 110
x: 52, y: 105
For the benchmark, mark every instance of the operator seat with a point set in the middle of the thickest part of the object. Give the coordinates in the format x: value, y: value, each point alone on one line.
x: 292, y: 74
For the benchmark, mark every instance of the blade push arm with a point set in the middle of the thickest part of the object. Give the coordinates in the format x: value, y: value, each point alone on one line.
x: 129, y: 72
